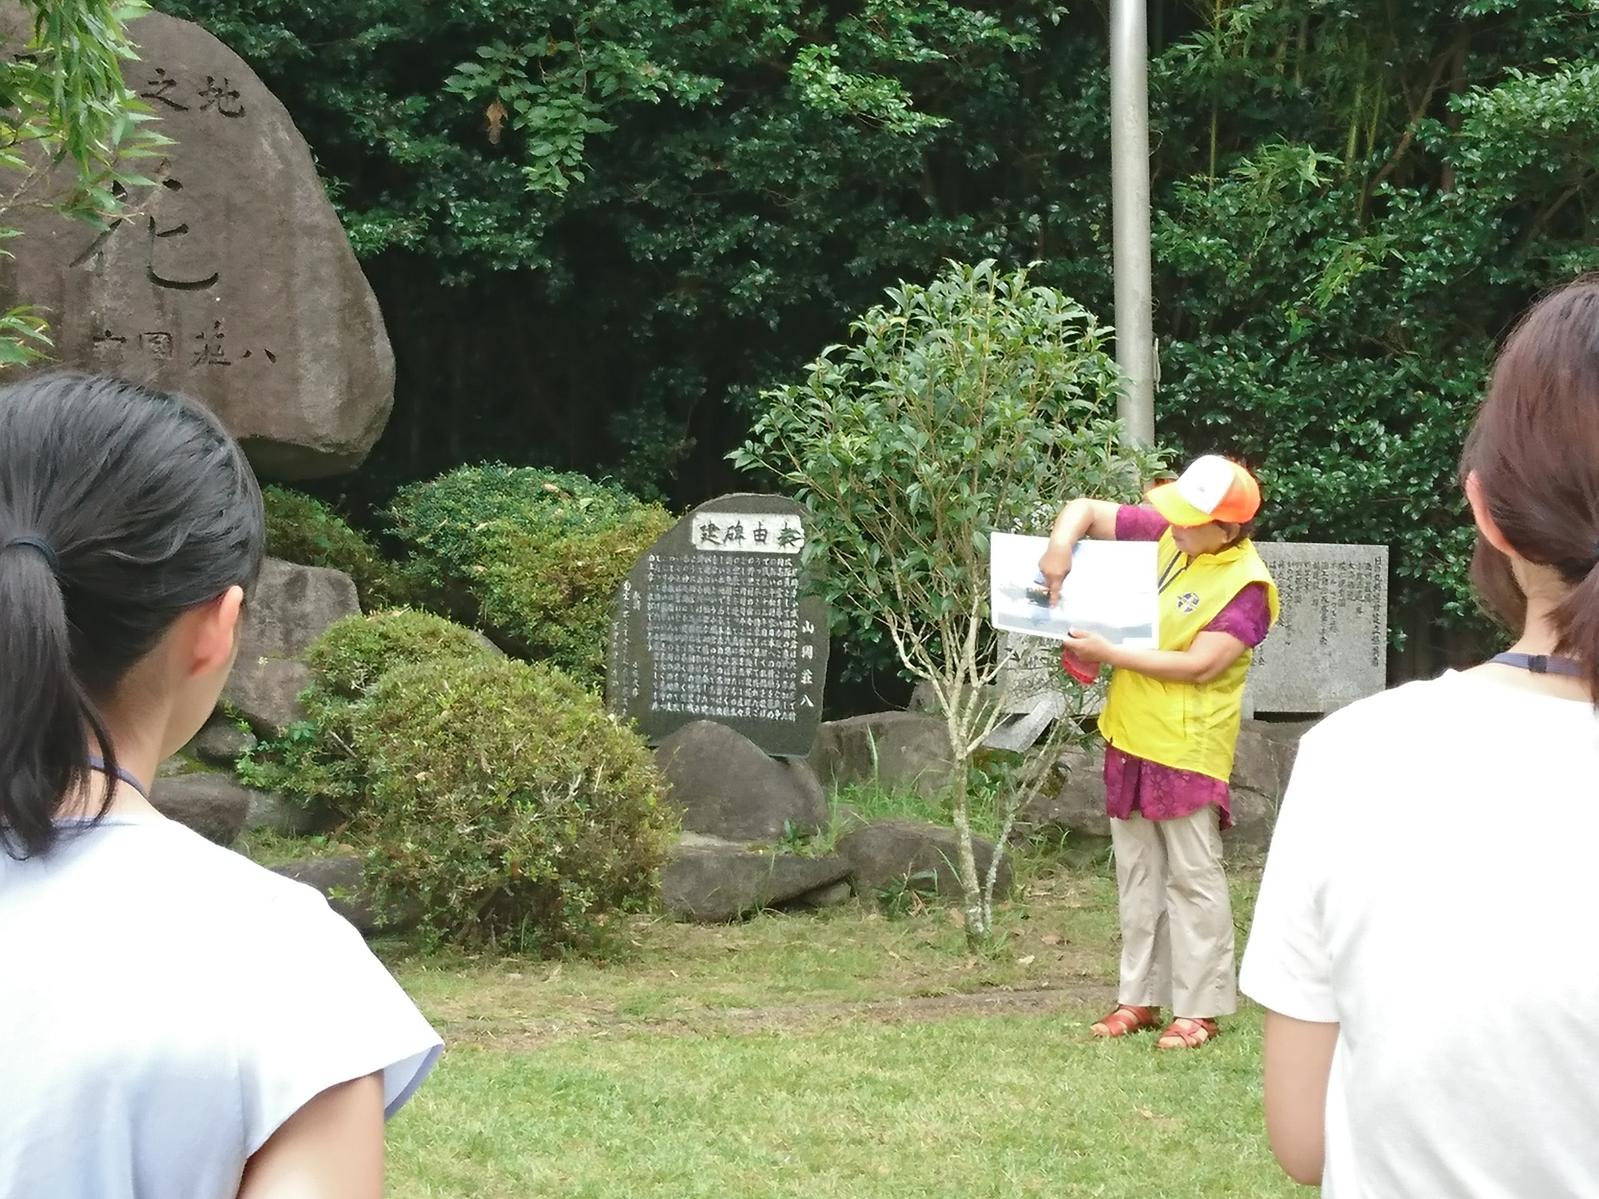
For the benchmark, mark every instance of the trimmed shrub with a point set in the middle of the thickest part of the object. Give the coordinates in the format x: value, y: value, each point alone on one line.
x: 355, y: 652
x: 306, y: 531
x: 507, y: 805
x: 532, y: 556
x: 315, y: 761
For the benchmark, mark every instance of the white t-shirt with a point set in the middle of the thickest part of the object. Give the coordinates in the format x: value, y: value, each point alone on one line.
x: 166, y: 1004
x: 1430, y: 888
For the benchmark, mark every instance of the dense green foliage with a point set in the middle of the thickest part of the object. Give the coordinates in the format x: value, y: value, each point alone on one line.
x: 305, y: 530
x: 533, y: 556
x: 506, y: 804
x: 316, y: 762
x: 70, y: 132
x: 646, y: 212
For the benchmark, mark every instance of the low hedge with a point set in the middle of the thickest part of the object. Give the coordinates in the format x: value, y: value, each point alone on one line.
x: 506, y: 806
x: 532, y: 556
x: 315, y: 762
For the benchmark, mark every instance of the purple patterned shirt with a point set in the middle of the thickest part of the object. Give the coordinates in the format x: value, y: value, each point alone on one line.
x: 1159, y: 792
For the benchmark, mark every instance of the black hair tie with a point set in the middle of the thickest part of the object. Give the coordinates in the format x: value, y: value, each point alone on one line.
x: 38, y: 544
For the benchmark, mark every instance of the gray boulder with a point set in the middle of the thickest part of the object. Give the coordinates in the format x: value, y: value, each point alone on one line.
x: 339, y: 878
x: 925, y: 855
x: 231, y: 279
x: 1254, y: 816
x: 290, y: 608
x: 273, y: 813
x: 898, y: 749
x: 830, y: 896
x: 213, y: 805
x: 727, y: 786
x: 713, y: 880
x: 1078, y: 806
x: 221, y: 743
x: 1258, y: 763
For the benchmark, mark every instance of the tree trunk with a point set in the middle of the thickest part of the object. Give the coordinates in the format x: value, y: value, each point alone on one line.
x: 978, y: 925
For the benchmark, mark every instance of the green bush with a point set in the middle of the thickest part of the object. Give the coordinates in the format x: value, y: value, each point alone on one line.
x: 305, y: 530
x: 315, y: 762
x: 507, y: 806
x: 533, y: 556
x: 355, y: 652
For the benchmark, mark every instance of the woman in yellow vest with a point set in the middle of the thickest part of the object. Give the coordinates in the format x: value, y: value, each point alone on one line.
x: 1171, y: 722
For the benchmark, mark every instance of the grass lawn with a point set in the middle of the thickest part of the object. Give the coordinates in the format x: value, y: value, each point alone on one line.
x: 841, y: 1054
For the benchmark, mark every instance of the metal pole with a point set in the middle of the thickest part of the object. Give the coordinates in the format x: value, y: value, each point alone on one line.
x: 1129, y: 169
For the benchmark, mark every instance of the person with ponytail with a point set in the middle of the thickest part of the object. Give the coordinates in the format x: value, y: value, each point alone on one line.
x: 175, y: 1021
x: 1417, y: 942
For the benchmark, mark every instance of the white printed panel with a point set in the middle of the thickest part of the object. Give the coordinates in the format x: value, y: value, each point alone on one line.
x: 1112, y: 590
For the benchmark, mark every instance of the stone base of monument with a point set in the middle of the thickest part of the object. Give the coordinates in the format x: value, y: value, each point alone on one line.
x: 728, y: 787
x: 1266, y: 751
x: 892, y: 853
x: 899, y: 750
x: 713, y: 880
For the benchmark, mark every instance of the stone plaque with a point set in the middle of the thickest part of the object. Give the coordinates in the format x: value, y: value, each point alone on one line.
x: 1331, y: 646
x: 230, y: 280
x: 711, y: 624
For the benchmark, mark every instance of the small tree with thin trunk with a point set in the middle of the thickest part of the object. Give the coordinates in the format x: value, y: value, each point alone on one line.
x: 979, y: 403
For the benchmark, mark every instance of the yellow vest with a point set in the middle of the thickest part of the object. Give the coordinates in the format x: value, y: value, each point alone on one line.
x: 1188, y: 726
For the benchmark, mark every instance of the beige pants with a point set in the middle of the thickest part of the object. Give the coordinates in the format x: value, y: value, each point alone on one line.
x: 1177, y: 920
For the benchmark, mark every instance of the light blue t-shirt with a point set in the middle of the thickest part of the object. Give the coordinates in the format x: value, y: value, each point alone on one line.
x: 166, y: 1005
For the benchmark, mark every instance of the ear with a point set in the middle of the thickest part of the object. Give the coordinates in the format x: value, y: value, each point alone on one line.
x: 1485, y: 523
x: 214, y: 633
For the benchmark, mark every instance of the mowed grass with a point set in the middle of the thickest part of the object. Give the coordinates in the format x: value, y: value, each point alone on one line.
x: 841, y: 1054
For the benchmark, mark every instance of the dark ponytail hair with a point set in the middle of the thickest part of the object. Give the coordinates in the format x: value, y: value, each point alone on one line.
x: 1534, y: 450
x: 121, y: 507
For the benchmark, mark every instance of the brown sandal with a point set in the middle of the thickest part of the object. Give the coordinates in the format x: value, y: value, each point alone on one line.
x: 1183, y: 1033
x: 1127, y: 1019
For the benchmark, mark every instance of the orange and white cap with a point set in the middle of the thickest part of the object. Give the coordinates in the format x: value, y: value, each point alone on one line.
x: 1213, y: 488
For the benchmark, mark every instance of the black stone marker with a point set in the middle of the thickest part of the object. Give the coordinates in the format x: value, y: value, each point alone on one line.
x: 711, y: 624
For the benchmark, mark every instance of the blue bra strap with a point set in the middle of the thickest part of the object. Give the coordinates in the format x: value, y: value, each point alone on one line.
x: 98, y: 763
x: 1541, y: 664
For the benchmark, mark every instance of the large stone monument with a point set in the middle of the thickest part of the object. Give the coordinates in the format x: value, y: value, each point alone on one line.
x: 713, y: 624
x: 1330, y: 647
x: 231, y: 279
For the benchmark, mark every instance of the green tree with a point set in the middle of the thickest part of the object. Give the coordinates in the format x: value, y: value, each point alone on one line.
x: 979, y: 403
x: 70, y: 132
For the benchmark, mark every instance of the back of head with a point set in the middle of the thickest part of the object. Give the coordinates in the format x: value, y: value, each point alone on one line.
x: 121, y: 507
x: 1534, y: 451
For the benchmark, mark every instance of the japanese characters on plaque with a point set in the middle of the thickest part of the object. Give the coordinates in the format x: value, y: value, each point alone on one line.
x: 714, y: 623
x: 170, y: 261
x: 1330, y: 646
